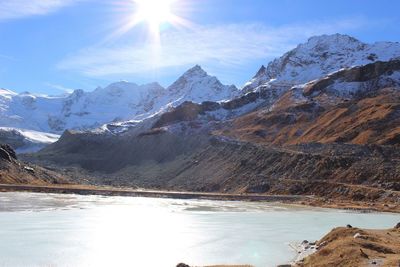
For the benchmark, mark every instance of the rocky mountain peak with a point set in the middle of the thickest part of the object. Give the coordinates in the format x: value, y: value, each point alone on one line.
x: 322, y: 55
x: 197, y: 86
x: 193, y: 74
x: 77, y: 93
x: 195, y: 71
x: 333, y: 39
x: 261, y: 72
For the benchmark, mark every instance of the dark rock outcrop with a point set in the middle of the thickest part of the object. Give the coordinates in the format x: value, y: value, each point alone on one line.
x: 13, y: 171
x: 7, y: 153
x: 370, y: 73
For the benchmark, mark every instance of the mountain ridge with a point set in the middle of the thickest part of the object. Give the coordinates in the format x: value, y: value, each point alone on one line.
x: 319, y: 56
x: 117, y: 102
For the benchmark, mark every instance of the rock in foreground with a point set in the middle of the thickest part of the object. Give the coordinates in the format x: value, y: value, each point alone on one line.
x: 356, y: 247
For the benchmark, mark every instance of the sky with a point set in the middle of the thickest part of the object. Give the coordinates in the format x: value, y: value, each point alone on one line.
x: 56, y: 46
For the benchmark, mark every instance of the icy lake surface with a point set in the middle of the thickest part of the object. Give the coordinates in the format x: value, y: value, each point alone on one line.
x: 72, y: 230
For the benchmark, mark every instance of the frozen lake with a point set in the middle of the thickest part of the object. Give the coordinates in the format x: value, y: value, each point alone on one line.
x: 72, y: 230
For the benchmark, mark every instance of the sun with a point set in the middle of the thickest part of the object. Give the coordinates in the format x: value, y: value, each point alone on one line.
x: 154, y: 12
x: 157, y: 15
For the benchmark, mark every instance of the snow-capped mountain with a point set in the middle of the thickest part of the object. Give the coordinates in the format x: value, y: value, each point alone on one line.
x: 78, y: 110
x: 119, y: 101
x: 320, y: 56
x: 197, y: 86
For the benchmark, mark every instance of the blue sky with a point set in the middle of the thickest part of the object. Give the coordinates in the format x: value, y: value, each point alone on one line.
x: 52, y: 46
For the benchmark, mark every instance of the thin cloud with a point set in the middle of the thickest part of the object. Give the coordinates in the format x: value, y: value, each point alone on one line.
x: 13, y: 9
x: 59, y: 87
x: 223, y: 46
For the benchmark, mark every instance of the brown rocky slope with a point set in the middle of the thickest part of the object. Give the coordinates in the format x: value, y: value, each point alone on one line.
x: 13, y: 171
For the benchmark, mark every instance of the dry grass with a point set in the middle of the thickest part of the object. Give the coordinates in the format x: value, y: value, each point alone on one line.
x: 371, y: 120
x: 371, y: 248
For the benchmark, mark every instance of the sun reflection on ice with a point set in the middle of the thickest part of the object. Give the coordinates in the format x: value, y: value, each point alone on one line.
x: 124, y: 231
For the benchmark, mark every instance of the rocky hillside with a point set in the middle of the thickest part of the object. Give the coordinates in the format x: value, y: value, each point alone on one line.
x: 360, y: 105
x: 315, y: 59
x: 13, y: 171
x: 350, y: 247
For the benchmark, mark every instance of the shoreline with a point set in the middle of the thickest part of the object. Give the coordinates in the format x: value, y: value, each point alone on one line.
x: 115, y: 191
x: 303, y: 200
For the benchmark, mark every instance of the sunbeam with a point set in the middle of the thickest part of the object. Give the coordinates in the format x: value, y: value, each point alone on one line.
x: 156, y: 14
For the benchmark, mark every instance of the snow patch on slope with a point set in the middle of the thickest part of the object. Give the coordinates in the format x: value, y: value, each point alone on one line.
x: 24, y: 140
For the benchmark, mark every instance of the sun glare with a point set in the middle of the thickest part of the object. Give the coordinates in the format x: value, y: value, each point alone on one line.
x: 154, y: 12
x: 157, y: 14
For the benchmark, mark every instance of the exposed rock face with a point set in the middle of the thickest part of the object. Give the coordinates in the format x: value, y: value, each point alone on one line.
x: 7, y: 153
x: 357, y: 80
x: 187, y: 111
x: 261, y: 77
x: 13, y: 171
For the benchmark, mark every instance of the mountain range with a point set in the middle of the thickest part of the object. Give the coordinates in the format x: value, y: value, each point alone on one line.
x: 123, y: 104
x: 118, y: 102
x: 321, y: 120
